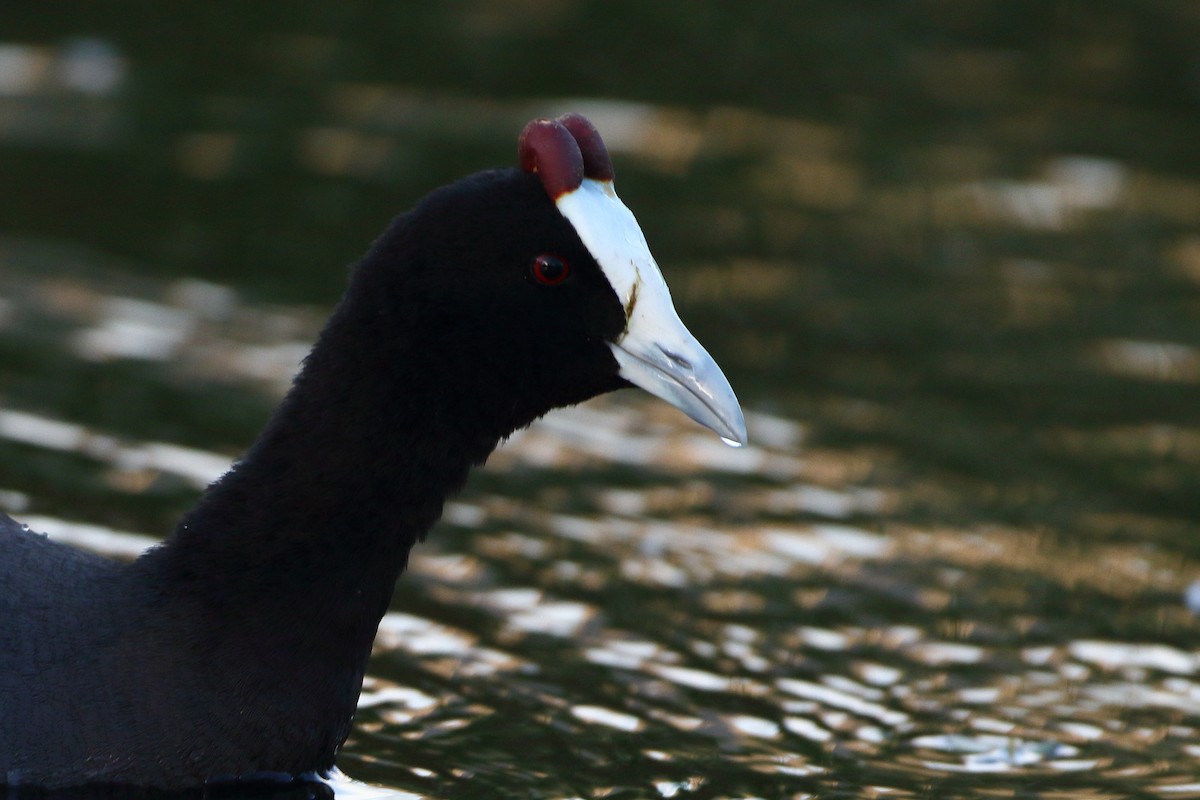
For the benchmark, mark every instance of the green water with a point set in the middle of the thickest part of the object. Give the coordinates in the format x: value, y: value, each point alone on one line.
x: 948, y: 253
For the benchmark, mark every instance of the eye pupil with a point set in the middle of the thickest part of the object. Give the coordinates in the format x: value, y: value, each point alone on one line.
x: 549, y: 270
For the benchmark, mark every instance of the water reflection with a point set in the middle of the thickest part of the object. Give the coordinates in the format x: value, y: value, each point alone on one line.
x: 783, y: 610
x: 745, y: 612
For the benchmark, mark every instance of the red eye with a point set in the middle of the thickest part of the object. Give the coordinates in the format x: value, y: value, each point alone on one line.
x: 549, y: 270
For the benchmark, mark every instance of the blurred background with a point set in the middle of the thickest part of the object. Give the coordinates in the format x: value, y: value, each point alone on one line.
x: 947, y: 251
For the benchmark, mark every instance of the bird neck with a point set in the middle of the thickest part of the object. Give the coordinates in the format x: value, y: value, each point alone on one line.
x: 353, y: 468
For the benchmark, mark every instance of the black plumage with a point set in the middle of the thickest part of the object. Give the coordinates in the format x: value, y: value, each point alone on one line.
x: 238, y: 646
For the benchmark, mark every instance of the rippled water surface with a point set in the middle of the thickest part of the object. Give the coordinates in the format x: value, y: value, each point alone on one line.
x: 947, y: 252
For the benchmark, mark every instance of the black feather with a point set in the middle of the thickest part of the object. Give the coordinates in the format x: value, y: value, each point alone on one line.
x: 238, y: 645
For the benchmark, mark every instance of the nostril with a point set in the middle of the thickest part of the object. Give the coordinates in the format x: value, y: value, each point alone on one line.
x: 677, y: 359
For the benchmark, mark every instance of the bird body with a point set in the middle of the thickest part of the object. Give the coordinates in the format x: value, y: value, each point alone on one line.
x: 237, y: 647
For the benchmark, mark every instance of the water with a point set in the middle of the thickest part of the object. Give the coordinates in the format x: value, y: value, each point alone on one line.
x: 948, y: 254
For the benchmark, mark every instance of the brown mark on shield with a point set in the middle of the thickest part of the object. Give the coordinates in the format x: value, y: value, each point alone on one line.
x: 632, y: 301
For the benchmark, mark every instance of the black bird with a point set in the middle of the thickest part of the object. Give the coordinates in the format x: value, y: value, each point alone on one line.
x: 236, y: 648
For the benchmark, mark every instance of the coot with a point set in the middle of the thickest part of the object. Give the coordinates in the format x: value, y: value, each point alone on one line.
x: 236, y: 649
